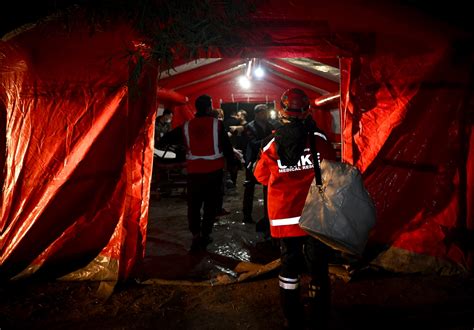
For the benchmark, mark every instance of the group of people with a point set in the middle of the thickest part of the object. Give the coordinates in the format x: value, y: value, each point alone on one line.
x: 274, y: 158
x: 246, y: 138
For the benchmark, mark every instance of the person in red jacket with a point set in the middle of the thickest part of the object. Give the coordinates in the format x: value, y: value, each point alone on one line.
x: 286, y: 167
x: 207, y: 148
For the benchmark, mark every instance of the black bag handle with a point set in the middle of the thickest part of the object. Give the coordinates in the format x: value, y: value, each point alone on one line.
x: 316, y: 160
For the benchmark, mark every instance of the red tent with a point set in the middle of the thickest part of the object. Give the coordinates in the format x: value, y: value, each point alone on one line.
x: 76, y: 132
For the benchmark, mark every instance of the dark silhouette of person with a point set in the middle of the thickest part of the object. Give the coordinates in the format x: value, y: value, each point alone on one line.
x: 207, y: 148
x: 255, y: 131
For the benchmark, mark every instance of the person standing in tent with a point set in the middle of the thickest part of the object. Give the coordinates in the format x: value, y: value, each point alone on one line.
x: 255, y: 132
x: 163, y: 124
x: 234, y: 126
x: 207, y: 147
x: 286, y: 166
x: 221, y: 211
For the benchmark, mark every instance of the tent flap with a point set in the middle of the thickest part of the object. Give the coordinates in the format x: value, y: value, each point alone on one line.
x: 78, y: 165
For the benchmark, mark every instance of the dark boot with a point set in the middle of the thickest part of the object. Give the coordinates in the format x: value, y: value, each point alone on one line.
x: 196, y: 244
x: 247, y: 205
x: 205, y: 241
x: 292, y: 308
x: 319, y: 306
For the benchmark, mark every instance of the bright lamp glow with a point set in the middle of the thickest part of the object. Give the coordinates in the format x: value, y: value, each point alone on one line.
x: 259, y: 72
x: 244, y: 82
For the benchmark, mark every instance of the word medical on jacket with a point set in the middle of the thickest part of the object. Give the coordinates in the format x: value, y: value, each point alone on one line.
x: 304, y: 163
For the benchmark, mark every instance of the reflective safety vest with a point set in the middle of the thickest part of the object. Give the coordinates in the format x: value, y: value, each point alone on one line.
x: 288, y: 186
x: 204, y: 152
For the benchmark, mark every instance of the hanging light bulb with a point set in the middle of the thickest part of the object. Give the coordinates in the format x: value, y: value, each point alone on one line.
x: 244, y: 82
x: 259, y: 72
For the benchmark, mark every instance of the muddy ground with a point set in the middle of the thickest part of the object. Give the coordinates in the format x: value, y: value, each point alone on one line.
x: 383, y: 302
x: 176, y: 290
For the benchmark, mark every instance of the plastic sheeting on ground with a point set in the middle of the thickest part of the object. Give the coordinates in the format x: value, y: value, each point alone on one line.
x: 237, y: 252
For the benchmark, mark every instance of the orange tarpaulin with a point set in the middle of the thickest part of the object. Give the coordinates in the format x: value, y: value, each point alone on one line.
x: 78, y: 153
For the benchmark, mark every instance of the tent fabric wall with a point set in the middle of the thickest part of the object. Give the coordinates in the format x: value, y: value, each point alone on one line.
x: 405, y: 134
x: 78, y: 161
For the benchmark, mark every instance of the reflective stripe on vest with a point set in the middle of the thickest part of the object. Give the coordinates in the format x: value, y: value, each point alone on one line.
x: 215, y: 132
x: 285, y: 222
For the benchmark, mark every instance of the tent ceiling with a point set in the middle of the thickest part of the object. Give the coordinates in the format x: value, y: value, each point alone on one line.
x: 222, y: 74
x: 189, y: 66
x: 328, y: 71
x: 324, y: 70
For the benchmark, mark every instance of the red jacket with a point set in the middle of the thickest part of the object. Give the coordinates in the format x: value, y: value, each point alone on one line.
x: 204, y: 150
x: 288, y: 186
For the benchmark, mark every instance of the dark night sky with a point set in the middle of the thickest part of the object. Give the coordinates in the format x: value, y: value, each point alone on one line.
x: 455, y: 12
x: 14, y: 13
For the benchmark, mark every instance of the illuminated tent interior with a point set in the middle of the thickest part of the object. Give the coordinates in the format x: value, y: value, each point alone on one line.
x: 230, y: 80
x: 76, y: 133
